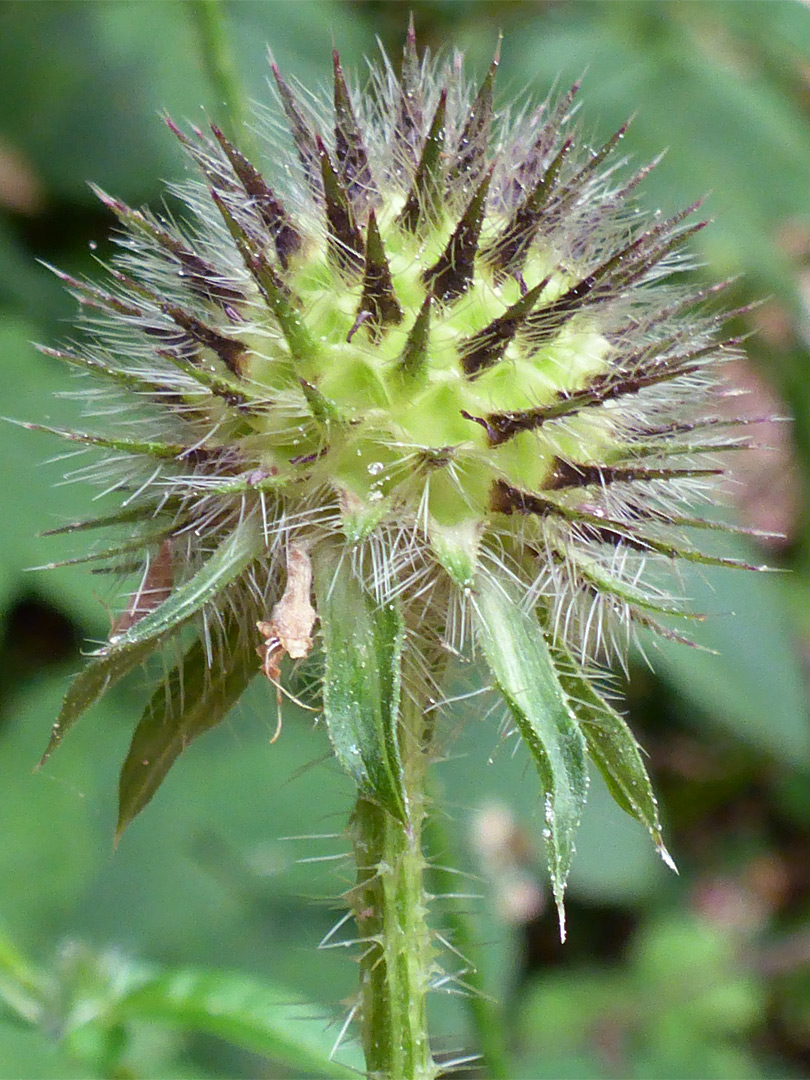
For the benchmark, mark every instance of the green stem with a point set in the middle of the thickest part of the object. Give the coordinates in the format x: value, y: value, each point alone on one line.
x: 390, y: 909
x: 485, y: 1014
x: 218, y: 60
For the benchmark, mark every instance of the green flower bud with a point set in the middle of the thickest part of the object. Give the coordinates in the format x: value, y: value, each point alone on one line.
x: 437, y: 346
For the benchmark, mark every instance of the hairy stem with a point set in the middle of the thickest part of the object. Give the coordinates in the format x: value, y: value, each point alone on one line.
x: 390, y: 908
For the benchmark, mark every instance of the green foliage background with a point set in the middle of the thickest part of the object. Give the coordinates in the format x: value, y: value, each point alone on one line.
x: 113, y: 964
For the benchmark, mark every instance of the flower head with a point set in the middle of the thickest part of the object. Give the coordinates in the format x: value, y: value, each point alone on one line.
x: 439, y: 355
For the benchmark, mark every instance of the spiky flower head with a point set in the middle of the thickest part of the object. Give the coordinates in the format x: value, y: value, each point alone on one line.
x: 434, y: 354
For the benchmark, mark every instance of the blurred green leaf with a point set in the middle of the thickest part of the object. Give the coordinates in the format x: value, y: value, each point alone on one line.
x: 224, y: 886
x: 755, y: 686
x: 713, y: 993
x: 33, y: 492
x: 30, y: 1054
x: 20, y: 281
x: 95, y: 116
x: 285, y: 31
x: 270, y: 1020
x: 20, y: 986
x: 698, y: 91
x: 679, y: 1011
x: 52, y: 843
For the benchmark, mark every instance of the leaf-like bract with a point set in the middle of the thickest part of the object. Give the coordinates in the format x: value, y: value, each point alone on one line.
x: 613, y: 748
x: 516, y: 651
x: 128, y: 650
x: 195, y: 699
x: 363, y: 644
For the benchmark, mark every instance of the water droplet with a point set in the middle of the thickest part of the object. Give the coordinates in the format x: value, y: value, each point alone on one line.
x: 92, y: 245
x: 375, y: 468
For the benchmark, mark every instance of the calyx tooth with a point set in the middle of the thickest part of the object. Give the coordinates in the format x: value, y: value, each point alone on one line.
x: 422, y: 203
x: 346, y: 241
x: 486, y: 347
x: 378, y: 303
x: 286, y: 237
x: 451, y: 275
x: 350, y: 151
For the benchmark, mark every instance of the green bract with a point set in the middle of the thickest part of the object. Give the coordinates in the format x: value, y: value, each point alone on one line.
x: 437, y: 357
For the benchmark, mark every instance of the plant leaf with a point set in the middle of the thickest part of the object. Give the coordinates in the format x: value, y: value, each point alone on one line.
x: 755, y: 685
x: 275, y: 1021
x: 131, y: 648
x: 127, y: 516
x: 21, y: 989
x: 94, y: 680
x: 523, y: 668
x: 148, y: 447
x: 363, y: 644
x: 613, y: 748
x: 194, y: 699
x: 231, y: 558
x: 33, y: 1052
